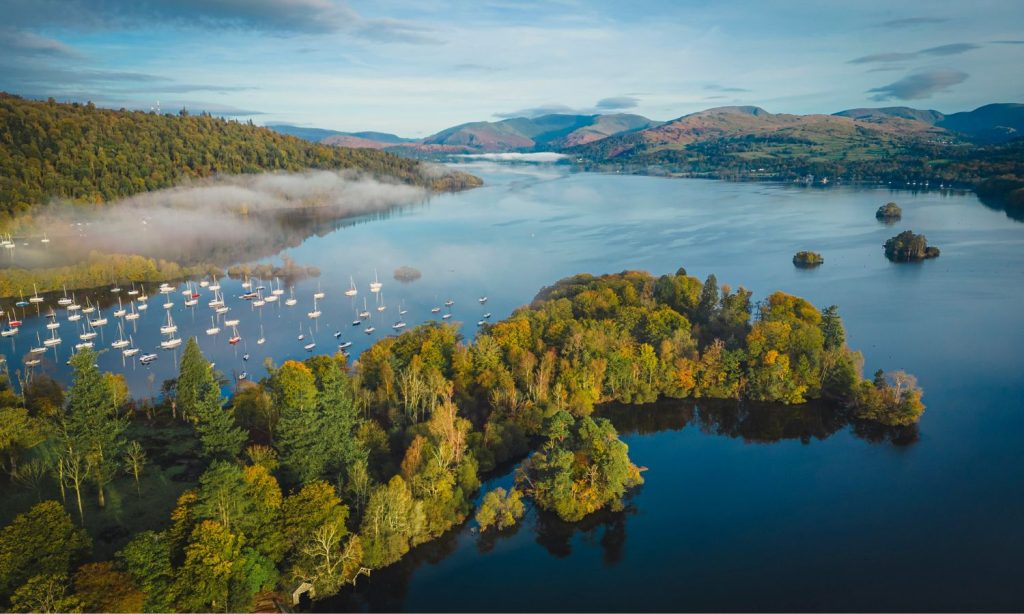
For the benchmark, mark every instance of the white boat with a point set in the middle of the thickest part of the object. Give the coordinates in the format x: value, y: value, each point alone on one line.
x: 435, y: 310
x: 231, y: 322
x: 170, y: 344
x: 487, y: 315
x: 35, y: 298
x: 204, y: 283
x: 52, y: 325
x: 133, y: 291
x: 352, y: 291
x: 38, y: 349
x: 132, y: 315
x: 53, y: 340
x: 375, y: 285
x: 290, y: 301
x: 214, y: 329
x: 316, y: 312
x: 482, y: 300
x: 449, y: 303
x: 130, y: 351
x: 278, y: 291
x: 143, y: 306
x: 302, y: 335
x: 222, y: 309
x: 87, y: 335
x: 213, y: 287
x: 398, y: 325
x: 147, y: 358
x: 242, y: 376
x: 166, y: 288
x: 74, y: 317
x: 381, y: 306
x: 121, y: 342
x: 170, y: 327
x: 88, y: 307
x: 337, y: 334
x: 262, y: 339
x: 369, y: 330
x: 32, y: 362
x: 365, y: 313
x: 115, y: 288
x: 272, y: 298
x: 312, y: 343
x: 247, y: 284
x: 45, y: 239
x: 83, y: 345
x: 401, y: 309
x: 446, y: 316
x: 216, y: 301
x: 481, y: 322
x: 319, y: 294
x: 345, y: 345
x: 73, y: 306
x: 259, y: 302
x: 168, y: 305
x: 192, y: 302
x: 121, y: 311
x: 143, y: 297
x: 99, y: 320
x: 65, y: 300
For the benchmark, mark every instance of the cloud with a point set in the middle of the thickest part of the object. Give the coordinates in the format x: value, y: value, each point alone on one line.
x: 545, y: 109
x: 716, y: 87
x: 908, y: 22
x: 920, y: 85
x: 14, y: 42
x: 617, y: 102
x: 1008, y: 42
x: 954, y: 49
x: 897, y: 56
x: 273, y: 16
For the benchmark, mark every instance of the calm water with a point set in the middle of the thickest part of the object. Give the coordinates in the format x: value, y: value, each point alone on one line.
x: 756, y: 516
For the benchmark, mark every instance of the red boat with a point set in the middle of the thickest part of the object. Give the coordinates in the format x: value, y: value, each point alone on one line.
x: 234, y: 340
x: 15, y: 323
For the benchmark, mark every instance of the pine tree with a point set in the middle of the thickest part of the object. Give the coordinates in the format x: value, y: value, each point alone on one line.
x: 200, y: 400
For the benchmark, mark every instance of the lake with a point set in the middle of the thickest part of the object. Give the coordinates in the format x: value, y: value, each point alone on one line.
x: 739, y: 512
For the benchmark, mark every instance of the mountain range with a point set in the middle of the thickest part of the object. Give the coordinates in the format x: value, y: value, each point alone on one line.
x: 626, y: 135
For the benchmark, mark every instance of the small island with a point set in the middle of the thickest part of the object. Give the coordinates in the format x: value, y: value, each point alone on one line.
x: 909, y: 247
x: 407, y: 274
x: 889, y: 212
x: 807, y: 260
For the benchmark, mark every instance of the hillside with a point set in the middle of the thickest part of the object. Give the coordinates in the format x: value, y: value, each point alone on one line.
x: 324, y: 135
x: 992, y: 123
x: 544, y: 132
x: 86, y: 154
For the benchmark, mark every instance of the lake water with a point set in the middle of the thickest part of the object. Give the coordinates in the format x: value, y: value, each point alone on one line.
x: 739, y: 511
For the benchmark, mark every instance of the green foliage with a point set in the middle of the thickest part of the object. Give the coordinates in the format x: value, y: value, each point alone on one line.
x: 391, y: 524
x: 889, y: 212
x: 500, y: 509
x: 92, y: 155
x: 891, y: 399
x: 40, y: 542
x: 807, y: 259
x: 907, y: 246
x: 147, y: 559
x: 581, y: 469
x: 200, y: 400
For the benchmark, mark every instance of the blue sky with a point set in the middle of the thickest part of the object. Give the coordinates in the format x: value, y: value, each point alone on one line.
x: 415, y: 67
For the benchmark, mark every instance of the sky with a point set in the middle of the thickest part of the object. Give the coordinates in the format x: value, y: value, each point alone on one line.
x: 414, y: 67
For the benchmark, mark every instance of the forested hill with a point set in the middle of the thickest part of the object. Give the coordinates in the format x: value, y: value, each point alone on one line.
x: 84, y: 153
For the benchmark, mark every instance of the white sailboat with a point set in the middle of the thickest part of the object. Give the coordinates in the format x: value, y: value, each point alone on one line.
x: 375, y: 285
x: 262, y: 339
x: 278, y: 291
x: 132, y: 315
x: 302, y: 335
x: 319, y: 294
x: 39, y: 348
x: 365, y: 313
x: 121, y: 311
x: 121, y: 342
x: 316, y: 311
x: 35, y: 298
x: 131, y: 350
x: 133, y: 291
x: 352, y: 291
x: 170, y: 327
x: 65, y: 300
x: 381, y: 306
x: 53, y: 340
x: 312, y: 343
x: 290, y: 301
x: 88, y: 306
x: 99, y: 320
x: 214, y: 329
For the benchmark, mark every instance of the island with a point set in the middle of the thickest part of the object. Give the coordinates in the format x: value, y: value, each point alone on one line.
x: 407, y: 274
x: 909, y: 247
x: 889, y: 212
x: 807, y: 260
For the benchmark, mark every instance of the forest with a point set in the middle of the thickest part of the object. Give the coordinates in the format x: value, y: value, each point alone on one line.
x: 90, y: 155
x: 208, y: 499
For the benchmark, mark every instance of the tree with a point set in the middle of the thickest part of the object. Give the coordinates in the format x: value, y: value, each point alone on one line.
x: 147, y: 559
x: 314, y: 532
x: 393, y: 520
x: 212, y: 559
x: 102, y: 588
x: 707, y: 306
x: 42, y: 541
x: 832, y: 328
x: 500, y: 509
x: 94, y: 426
x: 45, y: 593
x: 300, y: 438
x: 200, y: 399
x: 135, y: 461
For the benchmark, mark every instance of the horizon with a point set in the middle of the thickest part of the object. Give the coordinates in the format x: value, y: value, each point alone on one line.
x: 413, y: 70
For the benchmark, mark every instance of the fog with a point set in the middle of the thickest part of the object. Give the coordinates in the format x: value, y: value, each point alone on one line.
x: 221, y: 220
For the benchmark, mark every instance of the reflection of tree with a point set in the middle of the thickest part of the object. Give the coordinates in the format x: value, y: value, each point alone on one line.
x: 605, y: 527
x: 753, y: 422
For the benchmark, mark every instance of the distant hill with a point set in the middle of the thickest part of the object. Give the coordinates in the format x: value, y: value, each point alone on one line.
x: 530, y: 134
x: 992, y: 123
x: 321, y: 135
x: 87, y: 154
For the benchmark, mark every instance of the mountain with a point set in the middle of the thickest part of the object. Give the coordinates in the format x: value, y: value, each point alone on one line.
x: 992, y: 123
x: 544, y: 132
x: 88, y: 154
x: 754, y: 129
x: 323, y: 135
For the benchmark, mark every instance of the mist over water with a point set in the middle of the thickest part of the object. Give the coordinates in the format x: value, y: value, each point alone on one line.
x: 219, y: 219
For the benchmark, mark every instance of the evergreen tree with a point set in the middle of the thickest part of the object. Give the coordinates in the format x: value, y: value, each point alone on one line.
x: 200, y: 399
x: 832, y: 328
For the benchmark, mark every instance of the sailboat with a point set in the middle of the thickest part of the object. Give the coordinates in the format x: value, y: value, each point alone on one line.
x: 278, y: 291
x: 74, y: 317
x: 214, y: 286
x: 114, y: 288
x: 316, y: 311
x: 369, y: 330
x: 235, y: 337
x: 39, y: 348
x: 191, y: 296
x: 290, y: 301
x: 214, y: 329
x: 482, y: 300
x: 35, y: 297
x: 168, y: 304
x: 319, y: 294
x: 88, y: 306
x: 247, y: 283
x: 132, y: 315
x: 53, y: 324
x: 170, y: 327
x: 365, y: 313
x: 381, y: 306
x: 121, y: 342
x: 375, y: 285
x: 259, y: 302
x: 121, y: 311
x: 312, y: 344
x: 352, y: 291
x: 87, y: 335
x: 166, y: 288
x: 147, y: 358
x: 73, y: 306
x: 302, y: 335
x: 398, y: 325
x: 99, y: 320
x: 131, y: 350
x: 262, y: 339
x: 231, y: 322
x: 435, y: 310
x: 45, y: 239
x: 53, y: 340
x: 142, y: 297
x: 449, y: 303
x: 345, y: 345
x: 216, y: 301
x: 143, y: 306
x: 401, y: 309
x: 133, y: 291
x: 65, y: 300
